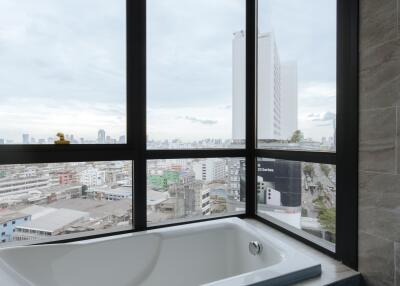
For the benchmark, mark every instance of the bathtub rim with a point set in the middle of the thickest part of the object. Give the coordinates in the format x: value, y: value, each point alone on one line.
x: 117, y: 231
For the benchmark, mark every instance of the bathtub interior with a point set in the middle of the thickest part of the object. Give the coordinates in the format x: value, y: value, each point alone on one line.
x: 104, y: 263
x: 203, y: 256
x: 188, y: 255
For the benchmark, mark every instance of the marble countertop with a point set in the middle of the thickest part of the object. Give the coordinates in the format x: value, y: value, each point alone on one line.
x: 332, y: 270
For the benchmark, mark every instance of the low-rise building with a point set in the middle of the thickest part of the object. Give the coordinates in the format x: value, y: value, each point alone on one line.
x: 8, y: 222
x: 50, y: 223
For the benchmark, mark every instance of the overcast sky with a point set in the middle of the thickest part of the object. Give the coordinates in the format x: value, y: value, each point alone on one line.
x: 62, y: 68
x: 63, y: 65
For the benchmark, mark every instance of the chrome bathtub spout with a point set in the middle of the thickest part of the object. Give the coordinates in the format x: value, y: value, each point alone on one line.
x: 255, y: 247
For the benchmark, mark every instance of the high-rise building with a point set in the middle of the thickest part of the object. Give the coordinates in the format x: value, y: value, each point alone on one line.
x: 269, y: 88
x: 122, y: 140
x: 209, y: 170
x: 25, y: 138
x: 289, y: 99
x: 283, y: 177
x: 277, y: 90
x: 101, y: 137
x: 239, y: 87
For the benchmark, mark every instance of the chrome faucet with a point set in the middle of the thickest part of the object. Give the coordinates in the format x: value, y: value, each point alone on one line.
x: 255, y: 247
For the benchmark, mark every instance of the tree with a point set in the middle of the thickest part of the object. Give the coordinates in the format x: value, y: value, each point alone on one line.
x: 84, y: 190
x: 297, y: 137
x: 325, y: 169
x: 326, y: 216
x: 309, y: 171
x: 320, y: 187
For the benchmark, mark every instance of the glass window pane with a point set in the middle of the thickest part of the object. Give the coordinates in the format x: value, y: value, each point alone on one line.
x: 63, y: 69
x: 297, y: 75
x: 196, y: 64
x: 187, y: 189
x: 300, y: 196
x: 42, y: 201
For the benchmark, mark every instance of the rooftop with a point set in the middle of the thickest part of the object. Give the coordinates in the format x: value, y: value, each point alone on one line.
x: 155, y: 198
x: 6, y: 216
x: 55, y: 220
x: 95, y: 208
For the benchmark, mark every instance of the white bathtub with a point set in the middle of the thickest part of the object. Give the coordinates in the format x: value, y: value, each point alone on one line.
x: 206, y: 253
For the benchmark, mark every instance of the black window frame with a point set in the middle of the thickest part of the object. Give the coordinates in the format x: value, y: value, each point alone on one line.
x: 135, y: 150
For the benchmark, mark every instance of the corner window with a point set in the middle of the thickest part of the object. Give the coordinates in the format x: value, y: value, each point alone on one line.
x: 225, y: 108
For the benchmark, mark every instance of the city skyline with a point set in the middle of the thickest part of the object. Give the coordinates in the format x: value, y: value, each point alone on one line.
x: 102, y: 138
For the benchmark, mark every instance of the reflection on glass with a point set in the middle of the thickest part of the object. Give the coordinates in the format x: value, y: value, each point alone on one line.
x: 184, y: 189
x: 300, y: 195
x: 63, y: 69
x: 297, y: 75
x: 193, y: 75
x: 41, y: 201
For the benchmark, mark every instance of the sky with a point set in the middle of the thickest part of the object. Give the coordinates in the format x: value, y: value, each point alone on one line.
x: 62, y: 68
x: 63, y: 65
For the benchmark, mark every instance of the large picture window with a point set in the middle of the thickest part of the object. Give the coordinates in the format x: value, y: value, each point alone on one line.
x: 178, y: 111
x: 63, y: 70
x: 196, y: 74
x: 297, y: 82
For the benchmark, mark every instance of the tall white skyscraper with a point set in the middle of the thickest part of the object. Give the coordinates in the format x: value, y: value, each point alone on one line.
x: 277, y: 90
x: 289, y: 101
x: 239, y: 86
x: 269, y: 88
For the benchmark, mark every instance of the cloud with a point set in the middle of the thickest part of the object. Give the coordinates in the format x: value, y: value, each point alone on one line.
x: 226, y: 107
x: 172, y: 123
x: 201, y: 121
x: 326, y: 117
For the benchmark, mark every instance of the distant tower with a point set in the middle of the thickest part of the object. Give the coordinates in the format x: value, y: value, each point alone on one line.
x: 122, y: 140
x: 101, y: 137
x: 25, y: 138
